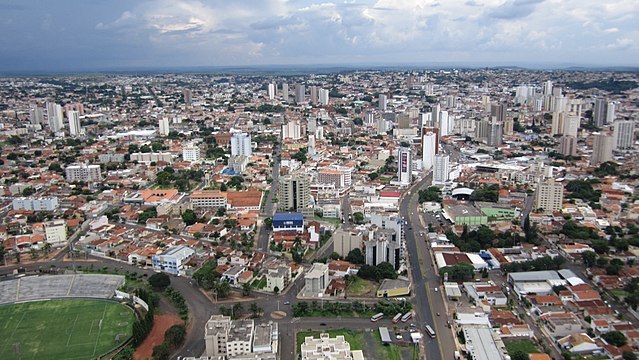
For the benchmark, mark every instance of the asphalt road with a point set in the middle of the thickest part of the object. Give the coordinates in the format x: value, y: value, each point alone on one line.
x: 426, y: 302
x: 263, y: 236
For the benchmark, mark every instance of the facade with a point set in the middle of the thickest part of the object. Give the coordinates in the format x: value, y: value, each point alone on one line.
x: 549, y: 196
x: 35, y: 204
x: 83, y: 172
x: 323, y: 96
x: 624, y: 134
x: 55, y: 232
x: 172, y: 260
x: 164, y: 127
x: 36, y: 116
x: 405, y: 166
x: 216, y: 332
x: 278, y: 278
x: 191, y: 153
x: 316, y: 280
x: 294, y: 193
x: 288, y: 222
x: 601, y: 149
x: 300, y: 93
x: 241, y: 144
x: 240, y: 339
x: 441, y: 169
x: 74, y: 123
x: 429, y: 149
x: 568, y: 145
x: 54, y: 116
x: 208, y: 199
x: 344, y: 242
x: 147, y: 158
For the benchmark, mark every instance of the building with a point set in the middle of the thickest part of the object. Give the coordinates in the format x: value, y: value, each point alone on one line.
x: 148, y: 158
x: 188, y: 96
x: 344, y: 242
x: 241, y: 144
x: 54, y: 116
x: 393, y: 288
x: 55, y: 232
x: 624, y: 134
x: 549, y: 196
x: 292, y: 130
x: 429, y: 149
x: 300, y: 93
x: 208, y: 199
x: 74, y: 123
x: 323, y: 96
x: 568, y: 145
x: 404, y: 166
x: 173, y: 260
x: 332, y: 176
x: 314, y: 95
x: 383, y: 100
x: 278, y: 278
x: 294, y: 193
x: 163, y: 124
x: 480, y: 343
x: 603, y: 112
x: 288, y: 222
x: 441, y: 169
x: 191, y: 153
x: 216, y: 332
x: 316, y: 280
x: 35, y: 204
x: 327, y: 348
x: 83, y: 172
x: 601, y: 149
x: 285, y: 92
x: 36, y: 116
x: 270, y: 91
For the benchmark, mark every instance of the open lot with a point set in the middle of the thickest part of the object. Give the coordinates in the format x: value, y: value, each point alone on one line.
x: 63, y: 329
x: 526, y: 346
x: 362, y: 288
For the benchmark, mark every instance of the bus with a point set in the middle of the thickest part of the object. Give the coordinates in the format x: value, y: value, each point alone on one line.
x: 377, y: 317
x: 430, y: 331
x: 396, y: 318
x: 407, y: 316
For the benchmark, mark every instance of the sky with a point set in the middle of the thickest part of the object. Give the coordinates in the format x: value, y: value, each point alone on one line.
x: 68, y: 35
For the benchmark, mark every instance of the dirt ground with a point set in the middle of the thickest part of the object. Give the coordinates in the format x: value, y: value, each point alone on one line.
x: 156, y: 337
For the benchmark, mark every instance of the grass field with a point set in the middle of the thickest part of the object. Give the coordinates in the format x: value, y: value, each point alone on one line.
x: 361, y: 287
x: 526, y: 346
x: 62, y: 329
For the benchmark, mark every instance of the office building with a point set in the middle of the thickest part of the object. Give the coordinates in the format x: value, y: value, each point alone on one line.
x: 36, y: 116
x: 241, y: 144
x: 172, y: 260
x: 429, y: 149
x: 601, y: 149
x: 624, y: 134
x: 300, y: 93
x: 163, y: 124
x: 441, y: 169
x: 191, y: 153
x: 404, y: 166
x: 285, y: 92
x: 294, y: 193
x: 74, y: 123
x: 323, y: 96
x: 55, y: 232
x: 382, y: 102
x: 188, y: 96
x: 549, y: 196
x: 568, y: 145
x: 270, y: 92
x: 83, y: 172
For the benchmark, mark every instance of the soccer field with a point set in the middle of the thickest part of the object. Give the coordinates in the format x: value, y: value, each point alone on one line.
x: 63, y: 329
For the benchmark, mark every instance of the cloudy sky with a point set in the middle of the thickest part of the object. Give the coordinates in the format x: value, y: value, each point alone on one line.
x: 101, y: 34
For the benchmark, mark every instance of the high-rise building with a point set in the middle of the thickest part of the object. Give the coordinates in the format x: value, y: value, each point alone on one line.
x: 509, y: 126
x: 311, y: 127
x: 601, y: 149
x: 36, y: 116
x: 294, y: 193
x: 610, y: 113
x: 314, y: 95
x: 603, y: 113
x: 435, y: 111
x: 624, y: 134
x: 191, y: 153
x: 241, y: 144
x: 55, y: 232
x: 163, y: 124
x: 571, y: 125
x: 441, y: 169
x: 83, y: 172
x: 549, y: 196
x: 292, y: 130
x: 271, y: 91
x: 495, y: 134
x: 429, y: 149
x: 404, y: 166
x: 445, y: 124
x: 568, y: 145
x: 557, y: 125
x: 300, y: 93
x: 403, y: 121
x: 323, y: 96
x: 285, y: 92
x: 498, y: 112
x: 188, y: 96
x: 74, y: 123
x: 54, y: 116
x: 382, y: 102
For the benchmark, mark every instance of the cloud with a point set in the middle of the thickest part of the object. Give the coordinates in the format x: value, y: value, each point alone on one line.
x: 621, y: 44
x: 514, y: 9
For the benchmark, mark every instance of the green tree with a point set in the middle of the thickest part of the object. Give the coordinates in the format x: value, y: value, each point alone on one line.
x: 358, y: 218
x: 222, y: 289
x: 589, y: 258
x: 458, y: 272
x: 189, y: 217
x: 356, y: 256
x: 246, y: 289
x: 519, y: 355
x: 386, y: 271
x: 159, y: 281
x: 28, y: 191
x: 629, y: 355
x: 175, y: 335
x: 162, y: 352
x: 616, y: 338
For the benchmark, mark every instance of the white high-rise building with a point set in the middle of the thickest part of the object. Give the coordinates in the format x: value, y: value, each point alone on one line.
x: 571, y: 125
x: 436, y: 112
x: 429, y: 148
x: 74, y: 123
x: 54, y: 116
x: 624, y: 134
x: 191, y: 153
x: 382, y: 102
x: 292, y: 130
x: 55, y: 232
x: 404, y: 166
x: 444, y: 127
x: 241, y: 145
x: 549, y: 196
x: 285, y: 92
x: 610, y: 113
x: 83, y: 172
x: 163, y: 124
x: 601, y: 149
x: 323, y: 96
x: 36, y: 116
x: 271, y: 91
x: 300, y: 93
x: 441, y: 169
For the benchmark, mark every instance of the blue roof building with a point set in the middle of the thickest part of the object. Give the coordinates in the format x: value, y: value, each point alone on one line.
x: 288, y: 222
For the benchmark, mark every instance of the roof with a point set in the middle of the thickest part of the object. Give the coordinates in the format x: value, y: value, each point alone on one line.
x: 480, y: 343
x: 288, y: 217
x: 383, y: 333
x: 534, y: 276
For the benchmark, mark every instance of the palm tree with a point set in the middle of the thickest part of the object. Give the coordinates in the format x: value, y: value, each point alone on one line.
x: 255, y: 310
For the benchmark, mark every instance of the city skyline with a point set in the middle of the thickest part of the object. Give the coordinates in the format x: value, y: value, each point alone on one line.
x: 85, y: 36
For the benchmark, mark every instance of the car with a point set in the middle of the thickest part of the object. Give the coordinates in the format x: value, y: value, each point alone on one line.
x: 436, y: 289
x: 287, y: 302
x: 322, y: 324
x: 437, y: 314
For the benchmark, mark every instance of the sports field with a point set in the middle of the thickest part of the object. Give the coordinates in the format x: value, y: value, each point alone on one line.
x: 63, y: 329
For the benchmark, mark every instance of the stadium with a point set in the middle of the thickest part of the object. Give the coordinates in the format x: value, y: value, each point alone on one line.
x: 63, y: 317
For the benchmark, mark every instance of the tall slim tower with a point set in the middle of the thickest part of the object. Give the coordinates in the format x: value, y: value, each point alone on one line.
x: 624, y: 134
x: 54, y: 116
x: 271, y: 91
x: 429, y: 149
x: 323, y: 96
x: 285, y: 92
x: 188, y: 96
x: 294, y: 193
x: 163, y: 124
x: 241, y: 145
x: 601, y: 149
x: 300, y: 93
x: 404, y: 166
x: 599, y: 112
x: 568, y: 145
x: 74, y: 123
x: 549, y: 196
x: 382, y: 102
x: 36, y: 116
x: 314, y: 95
x: 441, y: 169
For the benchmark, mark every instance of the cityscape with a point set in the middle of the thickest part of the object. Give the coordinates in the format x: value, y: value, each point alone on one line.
x: 203, y: 180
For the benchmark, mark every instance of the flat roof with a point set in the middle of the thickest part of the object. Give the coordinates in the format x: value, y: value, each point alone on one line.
x: 383, y: 333
x: 391, y: 284
x: 288, y: 216
x: 534, y: 276
x: 480, y: 343
x: 460, y: 209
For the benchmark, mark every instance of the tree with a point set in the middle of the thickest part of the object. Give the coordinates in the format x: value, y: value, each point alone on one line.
x: 355, y: 256
x: 189, y: 217
x: 222, y: 289
x: 616, y: 338
x: 268, y: 222
x: 175, y: 335
x: 255, y: 310
x: 519, y: 355
x: 358, y: 218
x: 276, y: 290
x: 246, y: 289
x: 238, y: 309
x: 159, y: 281
x: 589, y: 258
x: 600, y: 246
x: 458, y: 272
x: 162, y: 352
x: 629, y: 355
x: 386, y: 271
x: 28, y: 191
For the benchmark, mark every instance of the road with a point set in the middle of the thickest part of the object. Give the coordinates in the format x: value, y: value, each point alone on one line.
x: 264, y: 233
x: 426, y: 302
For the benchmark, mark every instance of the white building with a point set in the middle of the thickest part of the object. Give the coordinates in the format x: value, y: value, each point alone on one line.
x: 74, y: 123
x: 278, y: 278
x: 327, y: 348
x: 441, y: 169
x: 164, y: 127
x: 271, y: 91
x: 316, y: 280
x: 241, y: 144
x: 83, y: 172
x: 191, y: 153
x: 405, y: 166
x: 624, y: 134
x: 55, y: 232
x: 35, y: 204
x: 429, y: 148
x: 323, y: 96
x: 549, y: 196
x: 54, y: 116
x: 172, y: 260
x: 147, y: 158
x: 292, y: 130
x: 382, y: 102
